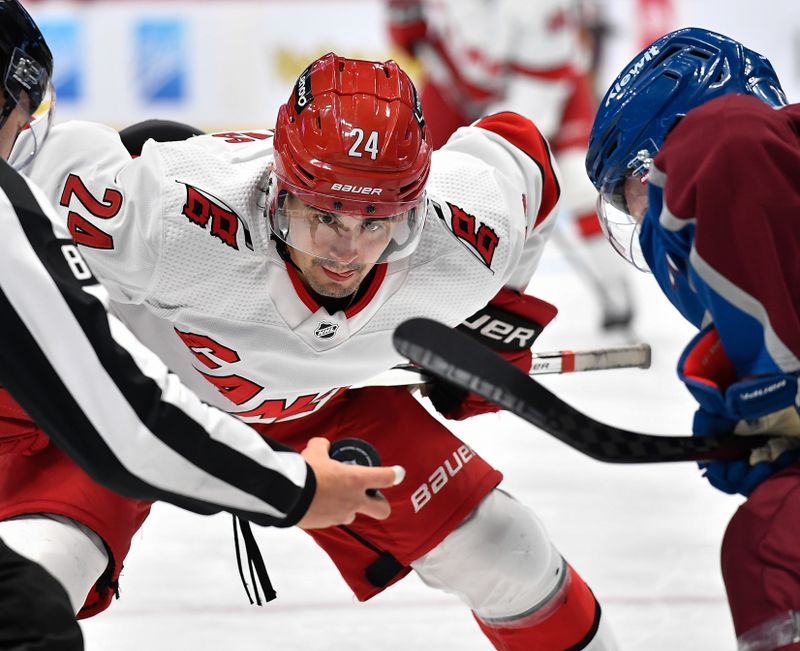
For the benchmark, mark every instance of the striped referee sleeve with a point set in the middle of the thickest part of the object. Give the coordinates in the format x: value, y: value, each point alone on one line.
x: 108, y: 401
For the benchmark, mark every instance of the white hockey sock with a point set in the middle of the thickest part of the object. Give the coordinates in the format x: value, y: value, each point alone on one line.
x: 773, y: 634
x: 72, y: 553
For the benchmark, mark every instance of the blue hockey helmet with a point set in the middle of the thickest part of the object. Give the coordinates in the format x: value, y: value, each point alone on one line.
x: 675, y: 74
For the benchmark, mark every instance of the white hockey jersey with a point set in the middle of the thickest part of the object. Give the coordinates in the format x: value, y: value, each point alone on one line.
x: 105, y: 399
x: 179, y: 238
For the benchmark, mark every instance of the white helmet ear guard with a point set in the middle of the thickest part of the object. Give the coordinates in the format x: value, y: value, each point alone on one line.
x: 276, y: 218
x: 32, y: 138
x: 281, y: 219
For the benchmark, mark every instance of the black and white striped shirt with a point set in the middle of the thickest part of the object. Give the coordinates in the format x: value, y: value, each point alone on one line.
x: 109, y: 402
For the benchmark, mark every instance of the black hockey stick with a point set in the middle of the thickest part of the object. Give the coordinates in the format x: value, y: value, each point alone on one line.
x: 460, y: 359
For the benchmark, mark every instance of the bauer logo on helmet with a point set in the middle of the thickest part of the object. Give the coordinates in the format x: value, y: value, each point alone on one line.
x: 355, y: 189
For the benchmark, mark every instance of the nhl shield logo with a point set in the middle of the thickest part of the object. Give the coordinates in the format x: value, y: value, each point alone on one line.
x: 326, y: 330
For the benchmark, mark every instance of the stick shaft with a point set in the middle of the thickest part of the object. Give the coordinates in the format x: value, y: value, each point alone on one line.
x: 460, y: 359
x: 567, y: 361
x: 561, y: 361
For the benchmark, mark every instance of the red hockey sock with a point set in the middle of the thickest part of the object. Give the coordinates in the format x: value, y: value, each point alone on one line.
x: 568, y: 621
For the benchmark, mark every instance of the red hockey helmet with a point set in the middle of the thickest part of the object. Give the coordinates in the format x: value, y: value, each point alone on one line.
x: 351, y: 145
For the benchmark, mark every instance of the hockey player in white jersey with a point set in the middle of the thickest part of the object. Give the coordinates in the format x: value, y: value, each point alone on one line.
x: 269, y: 271
x: 480, y: 57
x: 74, y: 381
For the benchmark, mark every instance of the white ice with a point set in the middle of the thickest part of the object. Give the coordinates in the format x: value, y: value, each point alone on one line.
x: 646, y: 538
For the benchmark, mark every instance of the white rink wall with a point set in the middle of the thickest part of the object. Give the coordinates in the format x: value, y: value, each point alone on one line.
x: 229, y: 65
x: 218, y: 65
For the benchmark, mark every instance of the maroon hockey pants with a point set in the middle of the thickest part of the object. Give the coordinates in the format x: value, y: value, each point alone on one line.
x: 761, y: 554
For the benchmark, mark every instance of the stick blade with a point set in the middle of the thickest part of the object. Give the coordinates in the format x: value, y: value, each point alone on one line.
x: 458, y: 358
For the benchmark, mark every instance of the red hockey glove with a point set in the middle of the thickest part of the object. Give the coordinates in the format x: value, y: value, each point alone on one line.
x: 18, y: 433
x: 509, y: 324
x: 407, y: 26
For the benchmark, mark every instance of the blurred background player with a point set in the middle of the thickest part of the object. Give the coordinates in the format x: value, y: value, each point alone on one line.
x: 107, y: 401
x: 526, y: 56
x: 269, y: 269
x: 697, y: 159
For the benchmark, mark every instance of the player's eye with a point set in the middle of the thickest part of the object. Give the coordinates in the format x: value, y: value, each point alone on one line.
x: 325, y: 218
x: 373, y: 225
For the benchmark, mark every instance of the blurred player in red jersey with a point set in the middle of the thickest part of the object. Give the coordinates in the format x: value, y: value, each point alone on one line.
x: 517, y: 55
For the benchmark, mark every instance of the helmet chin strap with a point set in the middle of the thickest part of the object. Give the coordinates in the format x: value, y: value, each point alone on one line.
x: 283, y: 251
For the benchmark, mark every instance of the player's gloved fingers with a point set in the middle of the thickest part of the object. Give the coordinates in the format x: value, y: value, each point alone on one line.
x: 787, y: 459
x: 724, y: 470
x: 717, y: 480
x: 446, y: 397
x: 722, y: 484
x: 739, y: 476
x: 725, y: 475
x: 737, y: 471
x: 774, y: 449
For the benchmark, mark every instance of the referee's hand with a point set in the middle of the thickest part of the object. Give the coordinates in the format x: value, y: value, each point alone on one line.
x: 342, y: 488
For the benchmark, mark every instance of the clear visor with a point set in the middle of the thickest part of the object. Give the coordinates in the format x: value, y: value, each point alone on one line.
x: 767, y: 91
x: 346, y: 231
x: 621, y: 211
x: 27, y: 84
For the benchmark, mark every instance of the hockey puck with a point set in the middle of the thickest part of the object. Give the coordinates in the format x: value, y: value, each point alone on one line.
x: 355, y: 451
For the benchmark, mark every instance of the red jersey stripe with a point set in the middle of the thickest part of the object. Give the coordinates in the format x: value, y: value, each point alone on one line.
x: 523, y: 134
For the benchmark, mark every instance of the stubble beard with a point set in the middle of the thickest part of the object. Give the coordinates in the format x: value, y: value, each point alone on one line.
x: 329, y: 288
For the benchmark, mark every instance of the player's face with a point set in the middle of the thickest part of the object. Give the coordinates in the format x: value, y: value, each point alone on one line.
x: 635, y: 190
x: 621, y: 213
x: 8, y: 134
x: 334, y: 251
